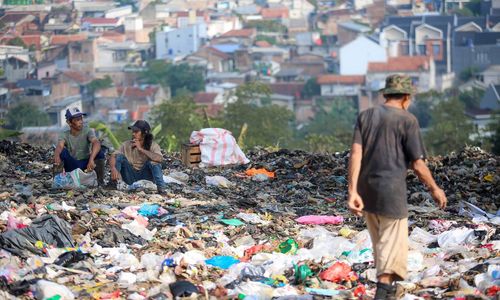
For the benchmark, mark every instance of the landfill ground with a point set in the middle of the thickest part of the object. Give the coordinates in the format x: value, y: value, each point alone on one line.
x: 240, y: 238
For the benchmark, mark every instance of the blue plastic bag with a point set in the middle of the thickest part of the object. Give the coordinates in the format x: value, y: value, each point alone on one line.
x: 223, y: 262
x: 148, y: 210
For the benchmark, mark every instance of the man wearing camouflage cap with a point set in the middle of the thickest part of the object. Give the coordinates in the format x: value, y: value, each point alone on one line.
x: 386, y: 142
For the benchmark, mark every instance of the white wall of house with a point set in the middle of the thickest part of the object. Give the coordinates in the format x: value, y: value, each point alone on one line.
x: 180, y: 42
x: 340, y: 89
x: 423, y: 80
x: 360, y: 4
x: 119, y: 12
x: 355, y: 56
x: 218, y: 27
x: 390, y: 38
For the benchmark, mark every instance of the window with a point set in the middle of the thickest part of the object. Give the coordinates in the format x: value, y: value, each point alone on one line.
x: 421, y: 49
x: 436, y: 49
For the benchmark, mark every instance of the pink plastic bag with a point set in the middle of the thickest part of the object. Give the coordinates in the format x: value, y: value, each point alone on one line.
x: 318, y: 220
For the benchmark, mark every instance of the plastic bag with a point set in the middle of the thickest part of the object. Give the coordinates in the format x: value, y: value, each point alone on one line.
x: 223, y: 262
x: 46, y: 289
x: 75, y: 179
x: 218, y: 147
x: 338, y: 272
x: 48, y: 229
x: 456, y: 237
x: 218, y: 181
x: 320, y: 220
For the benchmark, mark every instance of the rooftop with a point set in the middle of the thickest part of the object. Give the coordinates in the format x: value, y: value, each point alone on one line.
x: 340, y: 79
x: 400, y: 64
x: 245, y: 33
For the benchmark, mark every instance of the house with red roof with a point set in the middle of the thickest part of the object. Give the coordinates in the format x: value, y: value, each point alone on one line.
x: 421, y: 69
x: 340, y: 85
x: 211, y: 103
x: 275, y: 13
x: 213, y: 59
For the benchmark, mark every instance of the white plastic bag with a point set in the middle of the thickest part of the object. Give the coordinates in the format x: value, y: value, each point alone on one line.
x: 218, y: 147
x: 46, y: 289
x: 455, y: 237
x: 75, y: 179
x: 218, y: 181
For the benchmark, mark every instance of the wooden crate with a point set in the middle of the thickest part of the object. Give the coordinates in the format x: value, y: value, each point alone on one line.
x: 190, y: 155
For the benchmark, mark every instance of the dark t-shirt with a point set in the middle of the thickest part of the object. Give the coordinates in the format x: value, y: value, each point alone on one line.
x: 391, y: 140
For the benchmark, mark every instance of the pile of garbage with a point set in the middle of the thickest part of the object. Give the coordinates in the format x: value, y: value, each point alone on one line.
x: 275, y: 228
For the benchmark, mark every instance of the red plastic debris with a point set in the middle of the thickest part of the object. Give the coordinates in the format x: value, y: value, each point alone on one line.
x: 338, y: 272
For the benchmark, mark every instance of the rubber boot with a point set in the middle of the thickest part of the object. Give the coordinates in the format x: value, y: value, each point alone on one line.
x: 385, y: 291
x: 99, y: 170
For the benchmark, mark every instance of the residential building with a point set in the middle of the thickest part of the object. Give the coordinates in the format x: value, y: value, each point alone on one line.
x: 488, y: 110
x: 454, y: 42
x: 341, y: 85
x: 310, y: 64
x: 421, y: 69
x: 349, y: 31
x: 356, y: 55
x: 212, y: 59
x: 180, y: 42
x: 100, y: 24
x: 115, y: 57
x: 239, y: 36
x: 57, y: 112
x: 15, y: 62
x: 475, y: 49
x: 490, y: 76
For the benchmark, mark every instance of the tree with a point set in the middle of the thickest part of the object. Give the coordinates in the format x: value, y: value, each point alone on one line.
x: 472, y: 98
x: 17, y: 41
x: 494, y: 140
x: 177, y: 77
x: 178, y: 118
x: 311, y: 88
x: 266, y: 124
x: 450, y: 129
x: 467, y: 73
x: 335, y: 121
x: 26, y: 114
x: 422, y: 104
x: 100, y: 84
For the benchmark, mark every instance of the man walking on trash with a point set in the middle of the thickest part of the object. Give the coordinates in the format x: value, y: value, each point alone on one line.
x: 386, y: 142
x: 78, y: 147
x: 139, y: 158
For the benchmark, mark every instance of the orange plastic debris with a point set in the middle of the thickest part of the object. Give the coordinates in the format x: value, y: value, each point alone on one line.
x: 253, y: 172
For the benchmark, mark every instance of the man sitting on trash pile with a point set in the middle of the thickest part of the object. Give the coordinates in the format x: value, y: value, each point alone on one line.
x: 139, y: 158
x: 78, y: 147
x: 386, y: 141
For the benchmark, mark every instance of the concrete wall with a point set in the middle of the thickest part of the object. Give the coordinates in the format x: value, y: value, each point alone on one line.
x: 355, y: 56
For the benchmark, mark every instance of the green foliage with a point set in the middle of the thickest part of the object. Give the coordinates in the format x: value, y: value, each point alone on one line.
x: 253, y: 92
x: 494, y: 140
x: 464, y: 12
x: 474, y: 6
x: 26, y: 114
x: 311, y: 88
x: 266, y: 26
x: 7, y: 133
x: 422, y: 104
x: 450, y: 129
x: 467, y: 73
x: 471, y: 99
x: 178, y: 118
x: 100, y: 84
x: 333, y: 124
x: 177, y: 77
x: 107, y: 133
x: 321, y: 143
x: 266, y: 124
x: 17, y: 41
x: 270, y: 39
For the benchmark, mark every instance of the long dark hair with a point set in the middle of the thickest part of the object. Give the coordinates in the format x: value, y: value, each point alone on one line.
x: 148, y: 140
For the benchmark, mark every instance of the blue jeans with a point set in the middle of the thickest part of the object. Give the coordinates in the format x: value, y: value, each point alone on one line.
x: 149, y: 171
x: 70, y: 163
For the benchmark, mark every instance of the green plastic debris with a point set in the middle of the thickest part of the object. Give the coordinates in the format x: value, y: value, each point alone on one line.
x: 56, y: 297
x: 302, y: 272
x: 289, y: 246
x: 233, y: 222
x: 241, y: 296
